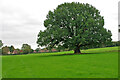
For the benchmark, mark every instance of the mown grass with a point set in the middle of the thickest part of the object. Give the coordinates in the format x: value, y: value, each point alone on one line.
x: 99, y: 63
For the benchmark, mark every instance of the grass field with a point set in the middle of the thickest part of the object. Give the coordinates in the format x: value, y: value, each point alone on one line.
x: 99, y: 63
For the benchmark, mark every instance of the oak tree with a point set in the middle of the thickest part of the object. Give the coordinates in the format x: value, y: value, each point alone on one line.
x: 74, y: 26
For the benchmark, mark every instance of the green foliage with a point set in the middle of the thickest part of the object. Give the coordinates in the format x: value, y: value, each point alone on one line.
x: 31, y: 51
x: 74, y: 26
x: 115, y: 43
x: 1, y: 44
x: 26, y: 48
x: 5, y: 50
x: 11, y: 48
x: 37, y: 49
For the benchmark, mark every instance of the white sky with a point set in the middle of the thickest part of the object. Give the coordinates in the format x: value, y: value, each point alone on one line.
x: 21, y: 20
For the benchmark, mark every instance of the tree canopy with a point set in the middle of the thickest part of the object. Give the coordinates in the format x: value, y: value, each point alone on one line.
x: 11, y: 48
x: 26, y: 48
x: 1, y: 44
x: 37, y: 49
x: 74, y: 26
x: 5, y: 50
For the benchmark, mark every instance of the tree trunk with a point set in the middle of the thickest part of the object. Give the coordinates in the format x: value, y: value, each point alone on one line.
x: 77, y: 51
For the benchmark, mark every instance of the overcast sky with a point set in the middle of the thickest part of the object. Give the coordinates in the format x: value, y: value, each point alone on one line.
x: 21, y: 20
x: 119, y: 19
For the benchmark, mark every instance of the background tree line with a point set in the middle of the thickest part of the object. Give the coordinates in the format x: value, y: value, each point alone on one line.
x: 25, y: 49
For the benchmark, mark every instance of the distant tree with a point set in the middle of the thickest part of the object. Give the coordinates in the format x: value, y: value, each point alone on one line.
x: 26, y: 48
x: 37, y: 49
x: 18, y: 49
x: 115, y: 43
x: 74, y: 26
x: 11, y: 48
x: 31, y: 51
x: 5, y: 50
x: 1, y: 44
x: 45, y: 48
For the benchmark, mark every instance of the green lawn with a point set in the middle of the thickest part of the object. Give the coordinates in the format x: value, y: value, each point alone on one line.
x: 99, y: 63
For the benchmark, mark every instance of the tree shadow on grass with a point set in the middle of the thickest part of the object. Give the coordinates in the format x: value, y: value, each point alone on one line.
x: 69, y: 54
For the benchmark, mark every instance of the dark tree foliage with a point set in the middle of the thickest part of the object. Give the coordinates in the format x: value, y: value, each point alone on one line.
x: 31, y: 51
x: 26, y: 48
x: 5, y: 50
x: 1, y: 44
x: 11, y: 48
x: 74, y: 26
x: 37, y: 49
